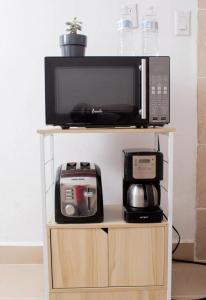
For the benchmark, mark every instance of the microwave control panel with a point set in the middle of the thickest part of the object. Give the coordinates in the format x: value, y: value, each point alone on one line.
x: 159, y: 90
x: 144, y: 166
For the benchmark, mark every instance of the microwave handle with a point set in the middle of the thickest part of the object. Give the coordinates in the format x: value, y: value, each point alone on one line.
x: 143, y: 68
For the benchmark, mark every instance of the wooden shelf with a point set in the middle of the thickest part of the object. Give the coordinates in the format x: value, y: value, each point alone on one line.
x: 112, y: 219
x: 58, y: 130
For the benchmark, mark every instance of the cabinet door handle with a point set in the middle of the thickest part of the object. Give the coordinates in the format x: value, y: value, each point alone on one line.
x: 143, y: 69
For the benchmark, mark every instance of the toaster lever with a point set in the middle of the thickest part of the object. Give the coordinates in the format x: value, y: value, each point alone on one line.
x: 88, y: 194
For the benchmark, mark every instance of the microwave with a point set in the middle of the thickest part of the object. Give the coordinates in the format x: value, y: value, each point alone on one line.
x: 107, y: 91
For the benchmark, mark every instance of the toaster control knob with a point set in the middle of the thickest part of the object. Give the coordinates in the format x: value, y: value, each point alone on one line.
x: 70, y: 210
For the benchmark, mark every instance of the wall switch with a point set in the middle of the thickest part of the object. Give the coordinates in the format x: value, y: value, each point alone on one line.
x: 182, y: 22
x: 131, y: 11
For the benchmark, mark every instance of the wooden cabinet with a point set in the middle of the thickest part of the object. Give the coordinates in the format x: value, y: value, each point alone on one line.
x: 79, y: 258
x: 110, y: 260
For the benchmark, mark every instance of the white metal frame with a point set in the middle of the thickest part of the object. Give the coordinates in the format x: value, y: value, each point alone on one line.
x: 169, y: 189
x: 44, y: 192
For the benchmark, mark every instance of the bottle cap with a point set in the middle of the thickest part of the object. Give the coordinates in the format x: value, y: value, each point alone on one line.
x: 124, y: 24
x: 149, y: 25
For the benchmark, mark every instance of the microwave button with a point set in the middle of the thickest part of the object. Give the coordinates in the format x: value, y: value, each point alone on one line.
x: 165, y: 90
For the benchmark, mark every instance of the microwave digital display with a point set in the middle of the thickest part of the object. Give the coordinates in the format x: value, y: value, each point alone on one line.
x: 144, y: 161
x: 93, y: 86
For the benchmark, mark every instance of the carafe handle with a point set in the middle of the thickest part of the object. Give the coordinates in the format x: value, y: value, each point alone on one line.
x: 149, y: 195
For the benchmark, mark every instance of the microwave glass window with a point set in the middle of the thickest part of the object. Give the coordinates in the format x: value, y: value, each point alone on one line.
x: 87, y: 87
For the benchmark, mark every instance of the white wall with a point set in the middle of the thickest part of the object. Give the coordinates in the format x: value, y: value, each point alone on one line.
x: 29, y: 30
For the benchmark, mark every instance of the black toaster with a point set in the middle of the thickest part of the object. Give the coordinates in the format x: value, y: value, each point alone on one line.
x: 78, y: 193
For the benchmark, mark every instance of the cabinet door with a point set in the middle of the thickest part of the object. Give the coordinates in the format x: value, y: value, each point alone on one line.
x: 79, y: 258
x: 137, y: 256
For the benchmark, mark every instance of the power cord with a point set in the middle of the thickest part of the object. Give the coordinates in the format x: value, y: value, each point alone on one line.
x: 179, y: 238
x: 176, y: 247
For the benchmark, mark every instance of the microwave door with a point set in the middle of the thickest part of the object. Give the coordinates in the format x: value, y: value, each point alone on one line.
x: 98, y: 91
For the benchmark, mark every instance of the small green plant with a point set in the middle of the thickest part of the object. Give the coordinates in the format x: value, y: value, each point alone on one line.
x: 74, y: 26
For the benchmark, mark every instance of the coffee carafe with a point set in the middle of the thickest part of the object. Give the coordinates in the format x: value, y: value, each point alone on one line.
x: 142, y: 196
x: 143, y: 170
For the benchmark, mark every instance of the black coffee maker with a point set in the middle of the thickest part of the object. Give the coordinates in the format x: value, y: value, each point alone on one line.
x: 143, y: 170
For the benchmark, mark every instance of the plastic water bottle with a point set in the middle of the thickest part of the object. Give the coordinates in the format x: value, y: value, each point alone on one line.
x: 150, y: 33
x: 126, y: 46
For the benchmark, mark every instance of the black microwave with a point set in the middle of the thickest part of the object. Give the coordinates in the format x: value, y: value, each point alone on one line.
x: 107, y: 91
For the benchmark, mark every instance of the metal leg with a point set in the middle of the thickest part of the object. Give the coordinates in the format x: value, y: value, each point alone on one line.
x: 170, y: 212
x: 52, y: 156
x: 52, y: 167
x: 156, y: 135
x: 44, y: 218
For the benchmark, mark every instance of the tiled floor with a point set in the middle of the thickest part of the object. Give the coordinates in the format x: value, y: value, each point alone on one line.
x: 189, y: 281
x: 25, y: 282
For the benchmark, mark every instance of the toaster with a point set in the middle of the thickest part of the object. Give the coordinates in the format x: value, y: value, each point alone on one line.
x: 78, y: 193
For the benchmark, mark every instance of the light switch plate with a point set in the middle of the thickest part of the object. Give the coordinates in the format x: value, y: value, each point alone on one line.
x: 182, y: 22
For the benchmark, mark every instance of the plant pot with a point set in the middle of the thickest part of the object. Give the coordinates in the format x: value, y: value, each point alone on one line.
x: 73, y: 44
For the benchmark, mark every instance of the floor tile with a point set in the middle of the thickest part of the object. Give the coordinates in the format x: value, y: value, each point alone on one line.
x: 21, y: 282
x: 189, y: 281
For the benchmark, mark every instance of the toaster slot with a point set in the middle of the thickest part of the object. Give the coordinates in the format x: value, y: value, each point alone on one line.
x: 85, y: 165
x: 71, y: 165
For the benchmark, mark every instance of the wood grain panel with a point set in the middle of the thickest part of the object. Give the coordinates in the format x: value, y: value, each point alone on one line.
x: 137, y: 295
x: 137, y: 256
x: 79, y: 258
x: 112, y: 219
x: 59, y: 130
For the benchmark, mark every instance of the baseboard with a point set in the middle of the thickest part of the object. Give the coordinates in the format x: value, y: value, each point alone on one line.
x: 33, y: 254
x: 23, y: 254
x: 185, y: 251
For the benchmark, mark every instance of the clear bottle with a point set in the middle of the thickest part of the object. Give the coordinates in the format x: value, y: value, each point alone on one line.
x: 126, y: 38
x: 149, y: 27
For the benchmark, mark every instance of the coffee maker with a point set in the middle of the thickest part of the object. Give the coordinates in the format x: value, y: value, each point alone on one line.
x: 143, y: 170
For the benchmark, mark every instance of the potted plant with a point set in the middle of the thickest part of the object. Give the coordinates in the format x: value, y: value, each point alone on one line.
x: 73, y: 44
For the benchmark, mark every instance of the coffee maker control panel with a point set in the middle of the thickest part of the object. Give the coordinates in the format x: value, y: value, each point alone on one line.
x: 144, y: 167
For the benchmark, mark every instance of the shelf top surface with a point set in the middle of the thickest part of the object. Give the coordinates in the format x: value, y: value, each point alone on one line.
x: 112, y: 219
x: 58, y: 130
